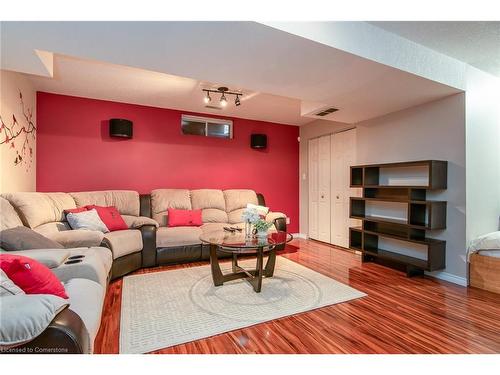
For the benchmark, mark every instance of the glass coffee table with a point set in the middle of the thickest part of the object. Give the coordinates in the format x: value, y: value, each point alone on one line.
x: 237, y: 244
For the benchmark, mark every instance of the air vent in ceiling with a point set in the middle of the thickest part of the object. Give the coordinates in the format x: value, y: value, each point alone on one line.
x: 213, y: 107
x: 327, y: 111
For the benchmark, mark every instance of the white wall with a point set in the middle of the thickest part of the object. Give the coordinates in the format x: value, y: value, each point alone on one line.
x: 434, y: 130
x: 483, y: 152
x: 18, y: 176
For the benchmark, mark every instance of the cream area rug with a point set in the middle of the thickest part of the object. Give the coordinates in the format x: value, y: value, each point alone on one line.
x: 167, y: 308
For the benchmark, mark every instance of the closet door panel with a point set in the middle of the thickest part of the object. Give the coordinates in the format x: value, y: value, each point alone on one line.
x: 313, y: 188
x: 343, y: 156
x: 324, y: 189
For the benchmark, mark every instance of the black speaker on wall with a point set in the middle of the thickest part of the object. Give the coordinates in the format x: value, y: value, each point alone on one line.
x: 119, y: 127
x: 258, y: 141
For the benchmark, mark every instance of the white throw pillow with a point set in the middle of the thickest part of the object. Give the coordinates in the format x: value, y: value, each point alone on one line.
x: 25, y: 316
x: 490, y: 241
x: 262, y: 210
x: 7, y: 286
x: 86, y: 220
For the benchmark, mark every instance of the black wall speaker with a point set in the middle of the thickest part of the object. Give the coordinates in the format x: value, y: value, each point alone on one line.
x: 258, y: 141
x: 120, y: 128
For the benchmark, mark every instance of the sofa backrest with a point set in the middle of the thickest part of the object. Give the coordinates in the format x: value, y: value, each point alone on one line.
x: 218, y: 206
x: 212, y: 205
x: 35, y: 209
x: 8, y: 217
x: 236, y: 201
x: 125, y: 201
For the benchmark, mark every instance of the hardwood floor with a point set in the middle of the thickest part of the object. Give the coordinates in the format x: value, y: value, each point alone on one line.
x: 399, y: 315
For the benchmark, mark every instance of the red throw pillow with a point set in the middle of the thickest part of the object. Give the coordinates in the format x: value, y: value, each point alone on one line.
x: 110, y: 217
x: 184, y: 218
x: 31, y: 276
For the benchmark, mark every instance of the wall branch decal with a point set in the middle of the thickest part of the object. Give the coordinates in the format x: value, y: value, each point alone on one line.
x: 18, y: 137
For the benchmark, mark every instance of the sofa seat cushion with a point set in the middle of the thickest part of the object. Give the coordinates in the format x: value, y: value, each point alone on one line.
x: 178, y: 236
x: 124, y: 242
x: 86, y: 299
x: 163, y: 199
x: 36, y: 209
x: 78, y: 238
x: 9, y: 217
x: 235, y: 216
x: 125, y: 201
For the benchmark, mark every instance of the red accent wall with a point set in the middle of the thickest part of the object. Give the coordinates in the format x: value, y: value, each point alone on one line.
x: 75, y: 153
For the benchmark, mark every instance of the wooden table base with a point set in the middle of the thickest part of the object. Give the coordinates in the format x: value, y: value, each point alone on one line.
x: 254, y: 276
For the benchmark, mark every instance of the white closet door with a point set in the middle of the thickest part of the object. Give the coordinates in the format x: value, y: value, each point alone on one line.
x: 313, y: 188
x: 343, y: 152
x: 324, y: 189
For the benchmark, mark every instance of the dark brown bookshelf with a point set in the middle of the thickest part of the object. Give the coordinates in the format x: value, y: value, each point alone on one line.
x: 421, y: 215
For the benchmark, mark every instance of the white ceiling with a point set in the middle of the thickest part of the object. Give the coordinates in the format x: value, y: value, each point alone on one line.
x: 106, y: 81
x: 173, y: 60
x: 476, y: 43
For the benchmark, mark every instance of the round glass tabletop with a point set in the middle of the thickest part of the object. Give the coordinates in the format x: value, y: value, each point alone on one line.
x: 238, y: 242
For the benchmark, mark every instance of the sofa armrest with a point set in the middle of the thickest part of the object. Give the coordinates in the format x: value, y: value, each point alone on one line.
x: 66, y: 334
x: 279, y: 220
x: 136, y: 222
x: 51, y: 258
x: 78, y: 238
x: 148, y: 233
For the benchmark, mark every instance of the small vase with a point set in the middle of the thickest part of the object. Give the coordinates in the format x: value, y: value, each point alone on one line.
x: 248, y: 229
x: 262, y: 234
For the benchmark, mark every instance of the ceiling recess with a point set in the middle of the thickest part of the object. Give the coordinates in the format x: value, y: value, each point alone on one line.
x: 327, y: 111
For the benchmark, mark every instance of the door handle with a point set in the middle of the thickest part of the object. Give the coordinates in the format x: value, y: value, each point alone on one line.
x: 338, y: 196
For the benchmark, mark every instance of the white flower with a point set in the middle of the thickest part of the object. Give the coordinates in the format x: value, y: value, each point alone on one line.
x: 250, y: 215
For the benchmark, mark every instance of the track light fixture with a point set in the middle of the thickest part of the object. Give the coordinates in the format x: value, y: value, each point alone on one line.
x: 223, y: 100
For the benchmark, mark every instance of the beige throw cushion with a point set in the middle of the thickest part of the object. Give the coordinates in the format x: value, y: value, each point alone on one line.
x: 23, y: 238
x: 25, y: 316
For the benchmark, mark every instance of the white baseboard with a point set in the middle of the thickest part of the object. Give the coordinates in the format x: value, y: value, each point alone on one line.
x: 300, y: 235
x: 448, y: 277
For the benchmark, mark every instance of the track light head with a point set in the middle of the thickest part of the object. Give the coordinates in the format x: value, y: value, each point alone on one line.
x: 223, y: 100
x: 207, y: 99
x: 237, y: 100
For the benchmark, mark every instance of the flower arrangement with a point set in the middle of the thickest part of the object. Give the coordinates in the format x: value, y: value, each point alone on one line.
x: 250, y: 215
x: 262, y: 226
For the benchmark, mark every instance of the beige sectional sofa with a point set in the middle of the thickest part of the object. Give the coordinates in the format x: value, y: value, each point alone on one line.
x: 85, y: 273
x: 91, y: 258
x: 44, y: 213
x: 219, y: 208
